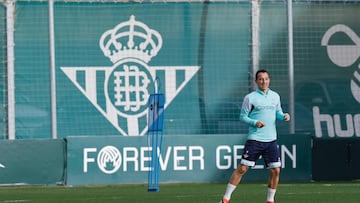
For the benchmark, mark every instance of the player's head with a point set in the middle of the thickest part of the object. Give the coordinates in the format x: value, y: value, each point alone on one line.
x: 261, y: 71
x: 262, y: 79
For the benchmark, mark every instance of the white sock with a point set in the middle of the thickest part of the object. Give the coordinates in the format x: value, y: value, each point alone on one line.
x: 271, y: 195
x: 229, y: 190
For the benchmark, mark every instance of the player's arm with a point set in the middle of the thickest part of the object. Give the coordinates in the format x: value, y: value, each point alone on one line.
x: 246, y: 109
x: 280, y: 115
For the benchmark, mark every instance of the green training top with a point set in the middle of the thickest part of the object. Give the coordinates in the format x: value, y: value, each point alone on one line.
x: 258, y: 106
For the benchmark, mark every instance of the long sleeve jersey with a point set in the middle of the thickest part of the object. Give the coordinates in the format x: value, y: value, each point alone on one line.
x: 258, y: 106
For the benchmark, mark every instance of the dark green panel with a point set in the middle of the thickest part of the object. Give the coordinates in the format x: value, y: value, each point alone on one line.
x: 345, y: 152
x: 32, y: 162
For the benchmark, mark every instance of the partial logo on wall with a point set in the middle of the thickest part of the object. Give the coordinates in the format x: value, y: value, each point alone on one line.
x: 124, y: 88
x: 345, y: 55
x: 336, y: 124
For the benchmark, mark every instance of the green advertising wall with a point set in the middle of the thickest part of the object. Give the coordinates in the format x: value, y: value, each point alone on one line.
x: 120, y: 160
x: 101, y: 160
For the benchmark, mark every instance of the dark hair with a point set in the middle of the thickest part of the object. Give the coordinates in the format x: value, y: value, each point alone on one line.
x: 261, y: 71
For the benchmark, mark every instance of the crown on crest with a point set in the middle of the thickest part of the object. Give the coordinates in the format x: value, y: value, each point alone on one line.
x: 130, y: 39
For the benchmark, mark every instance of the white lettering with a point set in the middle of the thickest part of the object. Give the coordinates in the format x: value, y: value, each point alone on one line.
x: 199, y: 157
x: 142, y: 156
x: 292, y: 156
x: 183, y: 157
x: 86, y: 159
x: 164, y: 163
x: 349, y: 125
x: 357, y: 124
x: 318, y: 118
x: 231, y: 158
x: 145, y: 159
x: 128, y: 158
x: 178, y: 159
x: 334, y: 126
x: 226, y: 158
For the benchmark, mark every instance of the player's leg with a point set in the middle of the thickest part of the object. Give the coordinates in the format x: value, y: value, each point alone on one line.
x: 234, y: 181
x: 249, y: 157
x: 238, y: 174
x: 272, y: 161
x: 274, y: 174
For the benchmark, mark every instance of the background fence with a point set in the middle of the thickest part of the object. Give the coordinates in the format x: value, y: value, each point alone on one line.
x: 216, y: 36
x: 85, y: 69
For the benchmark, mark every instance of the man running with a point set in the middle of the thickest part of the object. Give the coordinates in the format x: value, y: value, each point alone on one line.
x: 260, y: 110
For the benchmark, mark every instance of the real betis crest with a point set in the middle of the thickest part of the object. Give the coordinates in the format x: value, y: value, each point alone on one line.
x: 127, y: 84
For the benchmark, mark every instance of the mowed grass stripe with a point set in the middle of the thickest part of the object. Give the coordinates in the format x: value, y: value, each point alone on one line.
x: 183, y: 193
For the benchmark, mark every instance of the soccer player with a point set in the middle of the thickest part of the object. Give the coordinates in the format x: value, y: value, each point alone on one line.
x: 259, y: 110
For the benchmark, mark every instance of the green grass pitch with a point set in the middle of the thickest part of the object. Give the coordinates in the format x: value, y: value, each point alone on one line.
x: 183, y: 193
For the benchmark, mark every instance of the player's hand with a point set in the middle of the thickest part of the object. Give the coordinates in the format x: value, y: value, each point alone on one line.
x: 260, y: 124
x: 286, y: 117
